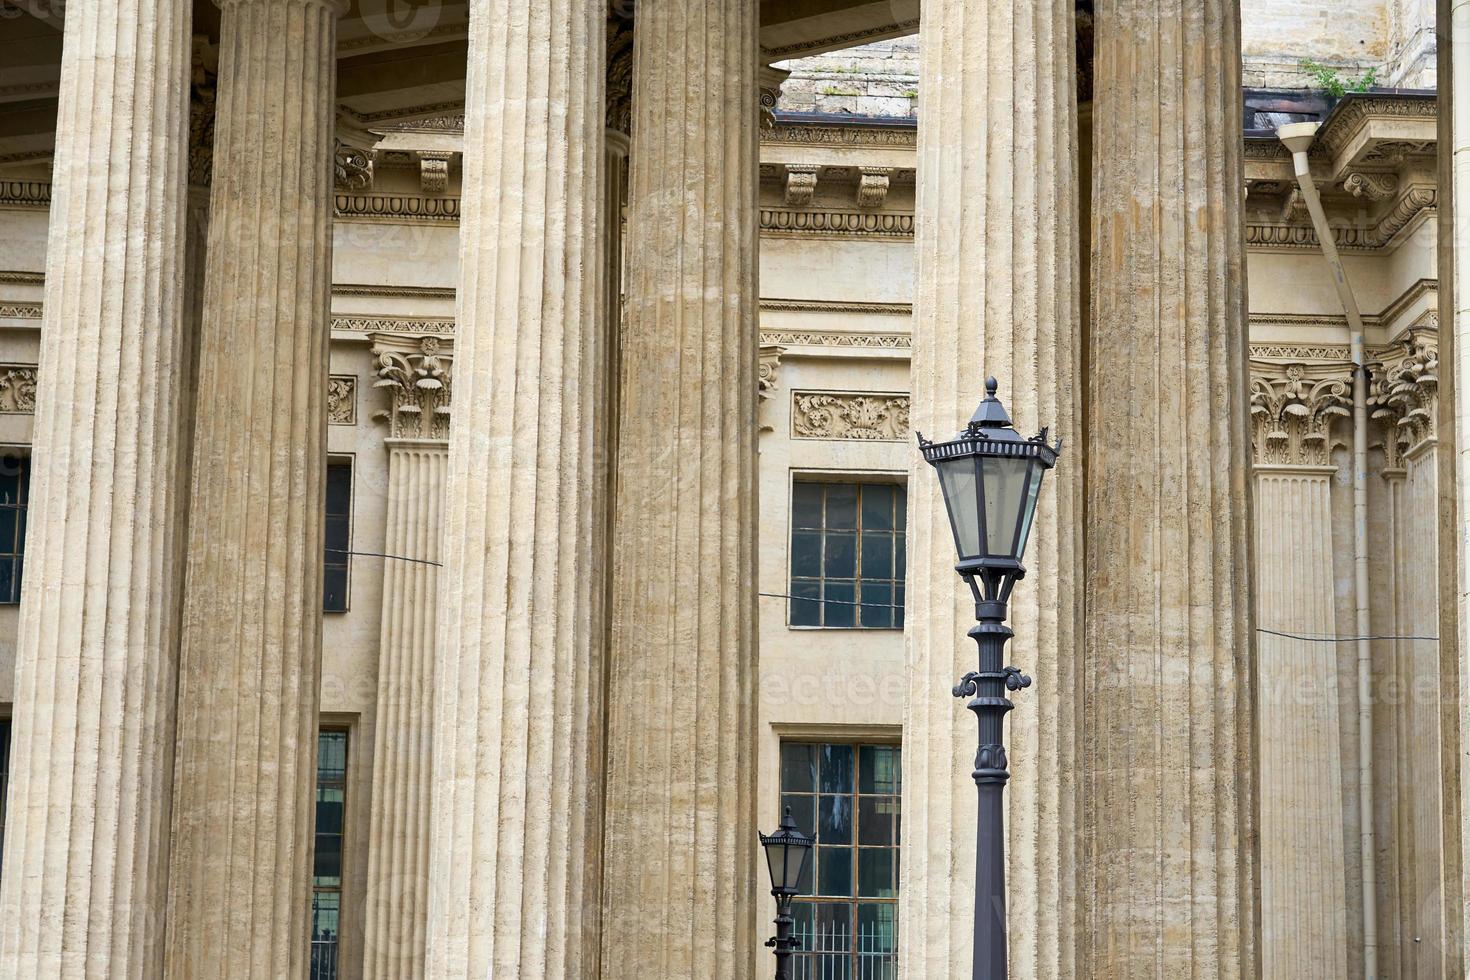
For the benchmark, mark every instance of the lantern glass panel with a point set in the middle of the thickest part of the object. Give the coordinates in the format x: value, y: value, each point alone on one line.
x: 957, y: 478
x: 796, y: 859
x: 776, y: 858
x: 1034, y: 488
x: 1005, y: 491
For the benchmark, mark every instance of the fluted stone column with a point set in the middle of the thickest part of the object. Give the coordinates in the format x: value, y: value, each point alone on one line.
x: 996, y: 292
x: 514, y: 875
x: 1297, y: 412
x: 86, y: 842
x: 239, y: 889
x: 1169, y: 830
x: 680, y: 876
x: 415, y: 373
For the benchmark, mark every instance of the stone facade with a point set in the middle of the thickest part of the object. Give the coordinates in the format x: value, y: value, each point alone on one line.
x: 579, y: 397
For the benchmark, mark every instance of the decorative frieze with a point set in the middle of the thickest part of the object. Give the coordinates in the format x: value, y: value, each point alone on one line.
x: 1403, y: 395
x: 849, y: 415
x: 342, y: 400
x: 1293, y: 407
x: 837, y: 338
x: 416, y: 375
x: 397, y: 206
x: 17, y: 389
x: 838, y: 224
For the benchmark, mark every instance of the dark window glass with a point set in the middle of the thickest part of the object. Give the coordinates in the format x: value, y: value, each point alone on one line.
x: 847, y: 555
x: 15, y: 494
x: 339, y: 537
x: 326, y: 881
x: 847, y: 914
x: 4, y: 777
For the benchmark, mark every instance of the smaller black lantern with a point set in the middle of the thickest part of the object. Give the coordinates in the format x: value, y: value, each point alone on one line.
x: 990, y: 477
x: 788, y: 851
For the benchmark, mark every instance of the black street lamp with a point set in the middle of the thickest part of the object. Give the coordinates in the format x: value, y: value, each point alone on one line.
x: 787, y: 852
x: 990, y: 477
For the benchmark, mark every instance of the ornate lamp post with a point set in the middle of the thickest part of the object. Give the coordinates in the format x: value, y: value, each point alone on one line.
x: 788, y: 851
x: 990, y: 477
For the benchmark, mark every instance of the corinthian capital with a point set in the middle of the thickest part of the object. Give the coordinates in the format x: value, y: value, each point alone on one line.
x: 415, y: 371
x: 1293, y: 407
x: 1404, y: 394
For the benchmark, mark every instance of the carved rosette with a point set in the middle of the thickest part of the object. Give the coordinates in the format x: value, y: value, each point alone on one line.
x: 17, y: 389
x: 1293, y: 407
x: 417, y: 379
x: 1403, y: 396
x: 840, y: 415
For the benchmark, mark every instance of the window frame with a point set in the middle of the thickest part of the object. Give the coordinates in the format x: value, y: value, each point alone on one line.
x: 21, y: 452
x: 859, y: 478
x: 327, y: 726
x: 349, y: 461
x: 856, y: 740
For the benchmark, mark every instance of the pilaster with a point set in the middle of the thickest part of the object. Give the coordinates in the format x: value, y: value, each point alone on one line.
x: 86, y: 842
x: 516, y: 792
x: 996, y: 293
x: 1169, y: 717
x: 1297, y: 416
x: 239, y: 888
x: 415, y: 374
x: 680, y: 872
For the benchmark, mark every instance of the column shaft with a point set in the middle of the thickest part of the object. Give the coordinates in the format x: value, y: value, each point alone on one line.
x: 398, y: 838
x: 680, y: 875
x: 86, y: 844
x: 513, y: 872
x: 996, y: 292
x: 239, y: 894
x: 1168, y: 701
x: 1303, y: 872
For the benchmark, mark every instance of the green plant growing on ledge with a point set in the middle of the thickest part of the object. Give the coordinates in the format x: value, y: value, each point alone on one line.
x: 1334, y: 84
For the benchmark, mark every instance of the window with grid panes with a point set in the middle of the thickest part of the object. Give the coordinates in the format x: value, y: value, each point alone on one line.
x: 847, y: 796
x: 15, y: 493
x: 336, y: 561
x: 847, y: 555
x: 326, y: 880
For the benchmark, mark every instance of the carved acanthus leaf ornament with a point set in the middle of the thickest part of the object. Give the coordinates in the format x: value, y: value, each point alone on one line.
x: 418, y: 386
x: 1292, y: 413
x: 841, y: 415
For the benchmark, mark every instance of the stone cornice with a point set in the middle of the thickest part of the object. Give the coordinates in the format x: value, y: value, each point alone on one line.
x: 835, y: 306
x: 1413, y: 201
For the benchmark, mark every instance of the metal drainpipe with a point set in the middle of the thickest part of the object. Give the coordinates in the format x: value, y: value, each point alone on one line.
x: 1297, y: 138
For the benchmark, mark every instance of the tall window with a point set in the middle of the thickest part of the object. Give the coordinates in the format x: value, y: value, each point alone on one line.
x: 15, y: 493
x: 847, y: 555
x: 847, y: 914
x: 4, y: 776
x: 339, y: 537
x: 326, y: 882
